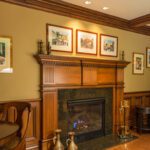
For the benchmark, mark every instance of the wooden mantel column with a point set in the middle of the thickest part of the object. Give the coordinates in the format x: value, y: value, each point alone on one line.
x: 58, y: 72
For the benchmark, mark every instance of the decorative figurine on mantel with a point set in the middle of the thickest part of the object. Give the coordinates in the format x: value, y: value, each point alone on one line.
x: 40, y: 47
x: 122, y: 56
x: 48, y: 48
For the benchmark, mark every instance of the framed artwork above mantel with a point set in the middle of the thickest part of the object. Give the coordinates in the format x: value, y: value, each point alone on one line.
x: 59, y: 38
x: 86, y: 42
x: 108, y: 45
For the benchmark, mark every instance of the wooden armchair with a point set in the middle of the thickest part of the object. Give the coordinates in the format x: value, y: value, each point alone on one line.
x: 16, y: 113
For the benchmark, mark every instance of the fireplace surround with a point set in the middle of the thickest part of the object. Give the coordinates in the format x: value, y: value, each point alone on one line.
x: 60, y: 73
x: 86, y: 111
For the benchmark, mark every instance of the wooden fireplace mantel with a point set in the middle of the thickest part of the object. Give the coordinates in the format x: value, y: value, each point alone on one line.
x: 60, y: 72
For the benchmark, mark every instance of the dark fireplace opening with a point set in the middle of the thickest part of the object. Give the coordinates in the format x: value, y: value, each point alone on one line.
x: 86, y: 118
x: 87, y: 111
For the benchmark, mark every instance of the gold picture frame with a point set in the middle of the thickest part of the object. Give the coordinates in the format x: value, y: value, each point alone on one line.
x: 108, y: 45
x: 148, y: 57
x: 59, y: 38
x: 86, y: 42
x: 138, y: 63
x: 6, y: 54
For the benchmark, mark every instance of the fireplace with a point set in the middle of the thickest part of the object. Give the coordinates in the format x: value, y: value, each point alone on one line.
x: 87, y: 112
x: 73, y: 78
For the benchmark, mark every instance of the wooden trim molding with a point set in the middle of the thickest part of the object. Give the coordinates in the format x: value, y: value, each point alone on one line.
x: 140, y: 21
x: 62, y: 8
x: 76, y: 61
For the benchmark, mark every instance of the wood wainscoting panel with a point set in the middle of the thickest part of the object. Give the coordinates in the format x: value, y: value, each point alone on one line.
x: 33, y: 132
x: 141, y: 98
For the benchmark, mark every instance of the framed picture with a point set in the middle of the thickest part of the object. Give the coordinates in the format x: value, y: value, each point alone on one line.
x: 138, y: 63
x: 5, y: 55
x: 148, y: 57
x: 86, y: 42
x: 109, y: 45
x: 59, y: 38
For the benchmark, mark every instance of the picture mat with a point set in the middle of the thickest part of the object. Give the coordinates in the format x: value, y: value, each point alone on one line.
x: 138, y: 63
x: 103, y: 41
x: 63, y: 31
x: 91, y: 36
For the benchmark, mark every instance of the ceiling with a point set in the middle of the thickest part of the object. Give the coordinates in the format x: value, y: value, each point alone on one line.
x: 126, y: 9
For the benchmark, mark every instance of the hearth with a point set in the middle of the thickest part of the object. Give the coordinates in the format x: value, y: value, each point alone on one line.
x: 87, y: 112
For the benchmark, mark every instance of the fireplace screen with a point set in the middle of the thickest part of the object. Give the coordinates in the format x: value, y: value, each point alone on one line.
x: 86, y: 117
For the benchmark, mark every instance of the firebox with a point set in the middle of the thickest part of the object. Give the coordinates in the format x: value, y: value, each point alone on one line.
x: 86, y: 111
x: 86, y: 117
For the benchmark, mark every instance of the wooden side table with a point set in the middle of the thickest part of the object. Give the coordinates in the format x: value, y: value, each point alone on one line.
x: 142, y: 118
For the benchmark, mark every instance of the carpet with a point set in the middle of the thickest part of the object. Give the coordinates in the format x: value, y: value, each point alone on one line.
x: 103, y: 142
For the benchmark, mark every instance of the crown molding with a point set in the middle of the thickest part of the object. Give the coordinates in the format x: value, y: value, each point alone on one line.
x: 140, y: 21
x: 78, y: 12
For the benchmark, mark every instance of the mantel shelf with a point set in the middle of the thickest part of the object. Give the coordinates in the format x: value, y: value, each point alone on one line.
x: 64, y: 60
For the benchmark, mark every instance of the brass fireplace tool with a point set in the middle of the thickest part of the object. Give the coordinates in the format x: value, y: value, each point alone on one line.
x: 70, y: 141
x: 124, y: 130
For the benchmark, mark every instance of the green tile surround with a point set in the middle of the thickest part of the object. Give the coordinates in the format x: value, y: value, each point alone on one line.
x: 84, y: 93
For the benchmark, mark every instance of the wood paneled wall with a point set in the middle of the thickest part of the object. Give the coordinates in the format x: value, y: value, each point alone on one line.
x: 33, y: 131
x: 134, y: 99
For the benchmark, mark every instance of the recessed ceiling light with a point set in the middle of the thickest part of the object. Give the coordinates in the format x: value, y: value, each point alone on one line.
x: 105, y: 8
x: 87, y: 2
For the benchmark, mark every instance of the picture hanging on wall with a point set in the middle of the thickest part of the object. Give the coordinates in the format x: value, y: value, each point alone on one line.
x: 109, y: 45
x: 138, y: 63
x: 59, y: 38
x: 86, y: 42
x: 5, y: 55
x: 148, y: 57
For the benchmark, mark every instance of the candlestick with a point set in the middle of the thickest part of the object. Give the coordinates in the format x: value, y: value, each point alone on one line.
x: 123, y: 56
x: 40, y: 47
x: 48, y: 48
